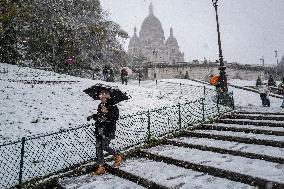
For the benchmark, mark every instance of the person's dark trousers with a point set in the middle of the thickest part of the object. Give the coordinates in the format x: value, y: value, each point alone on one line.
x: 102, y: 144
x: 124, y: 80
x: 265, y: 101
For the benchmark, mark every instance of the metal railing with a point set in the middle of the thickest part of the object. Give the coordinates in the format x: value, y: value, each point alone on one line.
x: 41, y: 156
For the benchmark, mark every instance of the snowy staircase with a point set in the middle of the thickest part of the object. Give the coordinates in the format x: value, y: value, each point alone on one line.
x: 241, y: 150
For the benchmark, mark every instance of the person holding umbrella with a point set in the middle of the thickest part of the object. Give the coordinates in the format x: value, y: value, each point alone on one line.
x: 106, y: 117
x: 124, y: 74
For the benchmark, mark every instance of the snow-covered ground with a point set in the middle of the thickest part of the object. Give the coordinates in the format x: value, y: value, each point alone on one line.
x: 32, y: 109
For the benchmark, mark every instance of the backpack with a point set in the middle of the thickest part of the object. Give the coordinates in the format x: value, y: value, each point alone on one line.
x: 214, y: 80
x: 281, y: 88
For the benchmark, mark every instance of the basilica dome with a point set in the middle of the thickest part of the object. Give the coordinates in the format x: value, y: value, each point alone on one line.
x: 134, y: 41
x: 172, y: 41
x: 151, y: 27
x: 151, y: 43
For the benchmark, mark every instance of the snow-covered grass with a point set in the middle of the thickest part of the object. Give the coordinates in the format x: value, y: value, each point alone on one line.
x: 31, y: 108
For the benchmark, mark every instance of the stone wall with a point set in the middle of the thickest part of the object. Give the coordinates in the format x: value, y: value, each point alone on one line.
x: 202, y: 72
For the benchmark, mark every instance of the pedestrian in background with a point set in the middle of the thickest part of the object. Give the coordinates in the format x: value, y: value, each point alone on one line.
x: 258, y: 82
x: 281, y: 91
x: 124, y: 75
x: 264, y: 93
x: 271, y: 82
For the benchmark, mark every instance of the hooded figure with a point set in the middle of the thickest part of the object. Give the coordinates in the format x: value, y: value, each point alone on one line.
x: 271, y: 81
x: 123, y: 75
x: 281, y: 91
x: 258, y: 82
x: 263, y: 91
x: 106, y: 117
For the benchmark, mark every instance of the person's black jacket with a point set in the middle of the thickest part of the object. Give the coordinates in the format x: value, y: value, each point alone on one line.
x: 271, y: 81
x: 106, y: 121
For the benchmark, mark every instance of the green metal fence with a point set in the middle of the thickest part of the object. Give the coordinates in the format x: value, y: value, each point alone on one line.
x: 41, y: 156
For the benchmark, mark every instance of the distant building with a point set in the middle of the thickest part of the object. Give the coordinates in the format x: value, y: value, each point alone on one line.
x: 151, y: 42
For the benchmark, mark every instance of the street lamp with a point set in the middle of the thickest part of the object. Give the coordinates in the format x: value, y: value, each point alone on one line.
x: 222, y: 67
x: 276, y: 55
x: 262, y: 61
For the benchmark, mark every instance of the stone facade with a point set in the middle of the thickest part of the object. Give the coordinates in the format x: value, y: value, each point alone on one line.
x: 203, y: 71
x: 151, y: 42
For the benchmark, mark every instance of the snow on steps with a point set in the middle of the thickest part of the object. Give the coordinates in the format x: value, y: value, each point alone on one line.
x: 270, y: 123
x: 89, y: 182
x: 279, y: 131
x: 217, y: 155
x: 248, y: 138
x: 267, y: 153
x: 219, y: 165
x: 256, y: 117
x: 173, y: 176
x: 244, y: 112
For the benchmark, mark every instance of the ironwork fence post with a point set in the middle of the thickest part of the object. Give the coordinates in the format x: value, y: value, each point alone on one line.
x: 180, y: 88
x: 149, y: 127
x: 218, y: 98
x: 203, y: 109
x: 233, y: 102
x: 22, y: 162
x: 179, y: 116
x: 204, y: 91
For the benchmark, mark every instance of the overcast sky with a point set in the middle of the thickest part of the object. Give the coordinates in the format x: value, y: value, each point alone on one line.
x: 250, y: 29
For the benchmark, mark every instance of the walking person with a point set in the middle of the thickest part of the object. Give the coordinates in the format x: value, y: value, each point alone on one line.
x: 123, y: 75
x: 271, y: 82
x: 106, y: 117
x: 281, y: 91
x: 139, y: 77
x: 263, y: 91
x: 258, y: 82
x: 104, y: 76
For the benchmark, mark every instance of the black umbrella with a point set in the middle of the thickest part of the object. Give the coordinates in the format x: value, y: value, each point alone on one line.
x: 115, y: 94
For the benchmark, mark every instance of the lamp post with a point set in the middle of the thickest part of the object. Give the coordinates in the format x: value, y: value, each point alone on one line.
x: 262, y: 61
x: 222, y: 67
x: 276, y: 56
x: 277, y: 63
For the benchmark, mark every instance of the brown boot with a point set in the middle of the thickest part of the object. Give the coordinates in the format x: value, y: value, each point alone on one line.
x: 99, y: 171
x: 117, y: 160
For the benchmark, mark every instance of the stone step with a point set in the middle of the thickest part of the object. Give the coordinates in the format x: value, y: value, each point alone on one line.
x: 202, y: 144
x: 254, y: 172
x: 134, y: 178
x: 242, y: 128
x: 237, y: 137
x: 252, y: 122
x: 259, y: 113
x: 255, y: 117
x: 173, y: 176
x: 88, y: 181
